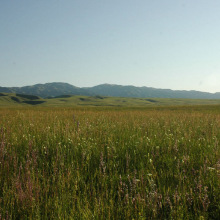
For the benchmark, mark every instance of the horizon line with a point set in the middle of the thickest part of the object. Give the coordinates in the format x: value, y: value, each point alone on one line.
x: 112, y: 84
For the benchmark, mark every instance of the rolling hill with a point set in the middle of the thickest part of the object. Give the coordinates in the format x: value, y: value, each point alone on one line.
x: 16, y: 100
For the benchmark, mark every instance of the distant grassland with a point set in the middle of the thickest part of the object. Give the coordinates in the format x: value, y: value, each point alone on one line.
x: 72, y: 101
x: 109, y: 162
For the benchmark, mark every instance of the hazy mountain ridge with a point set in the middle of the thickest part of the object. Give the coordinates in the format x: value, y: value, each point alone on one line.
x: 59, y: 88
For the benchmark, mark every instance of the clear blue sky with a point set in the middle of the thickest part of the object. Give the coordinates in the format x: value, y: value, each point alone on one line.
x: 156, y: 43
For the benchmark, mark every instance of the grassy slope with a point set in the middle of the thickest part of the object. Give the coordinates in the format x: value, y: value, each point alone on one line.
x: 14, y: 100
x: 7, y: 99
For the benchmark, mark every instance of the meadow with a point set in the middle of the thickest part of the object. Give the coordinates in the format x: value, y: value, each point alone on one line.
x: 110, y: 162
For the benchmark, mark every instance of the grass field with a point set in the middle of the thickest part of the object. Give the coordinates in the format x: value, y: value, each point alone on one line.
x: 110, y: 162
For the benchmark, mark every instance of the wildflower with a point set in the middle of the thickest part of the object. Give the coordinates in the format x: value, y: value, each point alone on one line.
x: 211, y: 168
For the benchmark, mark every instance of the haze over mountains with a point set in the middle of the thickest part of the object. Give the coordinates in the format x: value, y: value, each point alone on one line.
x: 59, y: 88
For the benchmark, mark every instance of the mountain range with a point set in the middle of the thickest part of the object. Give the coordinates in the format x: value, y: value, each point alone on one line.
x: 58, y: 89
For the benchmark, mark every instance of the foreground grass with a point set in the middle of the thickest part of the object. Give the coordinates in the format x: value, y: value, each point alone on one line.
x: 155, y: 163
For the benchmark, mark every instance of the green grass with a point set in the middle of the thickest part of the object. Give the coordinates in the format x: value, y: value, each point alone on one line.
x: 110, y: 163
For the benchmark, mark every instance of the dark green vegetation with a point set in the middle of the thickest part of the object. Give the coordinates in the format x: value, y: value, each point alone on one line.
x: 110, y: 163
x: 73, y: 101
x: 59, y: 89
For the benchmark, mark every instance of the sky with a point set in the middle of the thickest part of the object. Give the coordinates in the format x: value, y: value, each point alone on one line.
x: 154, y: 43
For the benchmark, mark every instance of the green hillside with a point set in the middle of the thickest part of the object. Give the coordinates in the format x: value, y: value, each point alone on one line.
x: 12, y: 99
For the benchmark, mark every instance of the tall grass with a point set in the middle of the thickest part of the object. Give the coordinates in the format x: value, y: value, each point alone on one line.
x: 160, y: 163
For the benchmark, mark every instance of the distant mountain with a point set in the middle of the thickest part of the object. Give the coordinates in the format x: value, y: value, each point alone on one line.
x: 148, y: 92
x: 58, y: 89
x: 47, y: 90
